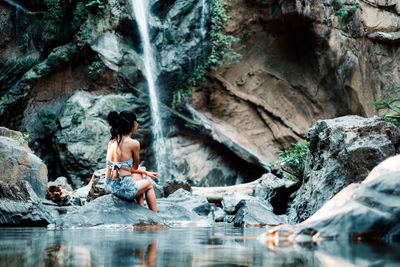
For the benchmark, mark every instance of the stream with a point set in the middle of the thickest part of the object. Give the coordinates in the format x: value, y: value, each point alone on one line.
x: 220, y: 245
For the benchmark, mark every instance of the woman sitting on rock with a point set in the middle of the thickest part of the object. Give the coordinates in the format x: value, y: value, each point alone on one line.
x: 123, y: 178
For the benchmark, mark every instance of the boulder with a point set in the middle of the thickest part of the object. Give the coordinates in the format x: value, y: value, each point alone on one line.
x: 172, y: 185
x: 183, y: 207
x: 276, y: 190
x: 109, y: 209
x: 17, y: 163
x: 257, y: 212
x: 20, y: 206
x: 366, y: 210
x: 82, y: 138
x: 196, y: 204
x: 233, y: 202
x: 63, y: 181
x: 342, y: 151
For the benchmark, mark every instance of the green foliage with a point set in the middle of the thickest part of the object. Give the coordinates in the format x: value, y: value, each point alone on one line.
x: 12, y: 70
x: 95, y: 69
x: 221, y: 53
x: 391, y: 106
x: 25, y: 138
x: 263, y: 1
x: 187, y: 8
x: 80, y: 14
x: 49, y: 120
x: 344, y: 12
x: 168, y: 36
x: 55, y: 9
x: 54, y: 60
x: 75, y: 119
x: 95, y: 6
x: 293, y: 159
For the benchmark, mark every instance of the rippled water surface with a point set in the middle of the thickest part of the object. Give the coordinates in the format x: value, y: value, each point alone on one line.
x: 178, y: 246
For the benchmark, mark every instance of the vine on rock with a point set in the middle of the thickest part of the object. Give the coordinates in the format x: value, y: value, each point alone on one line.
x: 221, y: 52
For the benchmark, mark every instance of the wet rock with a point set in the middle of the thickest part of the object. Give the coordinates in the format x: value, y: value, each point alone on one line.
x: 63, y: 181
x: 257, y: 212
x: 173, y: 213
x: 233, y: 202
x: 276, y: 190
x: 20, y: 206
x: 218, y: 214
x: 342, y: 151
x: 196, y: 204
x: 362, y: 210
x: 18, y: 163
x: 109, y: 209
x: 173, y: 185
x: 80, y: 195
x: 56, y: 194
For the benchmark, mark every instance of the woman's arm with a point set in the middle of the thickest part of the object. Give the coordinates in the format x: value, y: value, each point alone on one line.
x: 135, y: 166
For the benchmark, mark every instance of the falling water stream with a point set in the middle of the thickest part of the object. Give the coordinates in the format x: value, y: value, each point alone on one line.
x: 140, y: 8
x: 203, y: 19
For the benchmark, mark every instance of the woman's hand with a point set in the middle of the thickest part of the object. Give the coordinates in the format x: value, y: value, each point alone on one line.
x: 153, y: 175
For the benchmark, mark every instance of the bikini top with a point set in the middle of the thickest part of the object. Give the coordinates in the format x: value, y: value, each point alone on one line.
x: 117, y: 165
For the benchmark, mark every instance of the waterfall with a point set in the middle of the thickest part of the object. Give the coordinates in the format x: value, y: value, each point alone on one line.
x: 203, y: 29
x: 140, y: 8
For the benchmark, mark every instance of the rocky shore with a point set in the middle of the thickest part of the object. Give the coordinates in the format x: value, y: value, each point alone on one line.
x: 348, y: 189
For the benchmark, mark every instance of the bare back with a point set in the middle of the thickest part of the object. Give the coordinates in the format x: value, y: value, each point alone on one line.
x: 127, y: 149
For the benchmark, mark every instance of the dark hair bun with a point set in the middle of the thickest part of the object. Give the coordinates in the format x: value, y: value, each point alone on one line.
x: 113, y: 119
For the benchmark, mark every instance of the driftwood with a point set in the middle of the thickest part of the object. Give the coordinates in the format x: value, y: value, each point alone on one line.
x: 215, y: 194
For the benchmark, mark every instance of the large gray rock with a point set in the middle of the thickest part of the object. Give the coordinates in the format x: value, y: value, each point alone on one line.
x: 276, y: 190
x: 183, y: 207
x: 17, y: 163
x: 82, y: 139
x: 231, y: 203
x: 365, y: 209
x: 257, y: 212
x: 342, y: 151
x: 109, y: 209
x: 20, y: 206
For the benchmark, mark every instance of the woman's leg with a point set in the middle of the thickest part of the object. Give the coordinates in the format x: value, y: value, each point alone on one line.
x: 147, y: 188
x: 139, y: 197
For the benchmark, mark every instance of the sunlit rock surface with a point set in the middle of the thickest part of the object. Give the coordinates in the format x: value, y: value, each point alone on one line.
x: 18, y: 163
x: 366, y: 210
x: 342, y: 151
x: 109, y: 209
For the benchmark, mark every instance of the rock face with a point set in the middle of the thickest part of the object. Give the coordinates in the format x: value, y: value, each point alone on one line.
x: 342, y: 151
x: 23, y: 182
x: 110, y: 210
x: 17, y: 163
x: 20, y: 206
x: 301, y: 62
x: 257, y: 212
x: 364, y: 210
x: 276, y: 190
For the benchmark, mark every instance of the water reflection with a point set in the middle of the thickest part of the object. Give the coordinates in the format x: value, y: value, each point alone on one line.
x: 178, y: 246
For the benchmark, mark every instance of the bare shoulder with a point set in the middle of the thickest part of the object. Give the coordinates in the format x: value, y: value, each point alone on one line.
x: 134, y: 143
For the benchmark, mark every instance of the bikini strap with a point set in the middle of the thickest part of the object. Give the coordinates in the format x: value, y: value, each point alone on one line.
x: 114, y: 166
